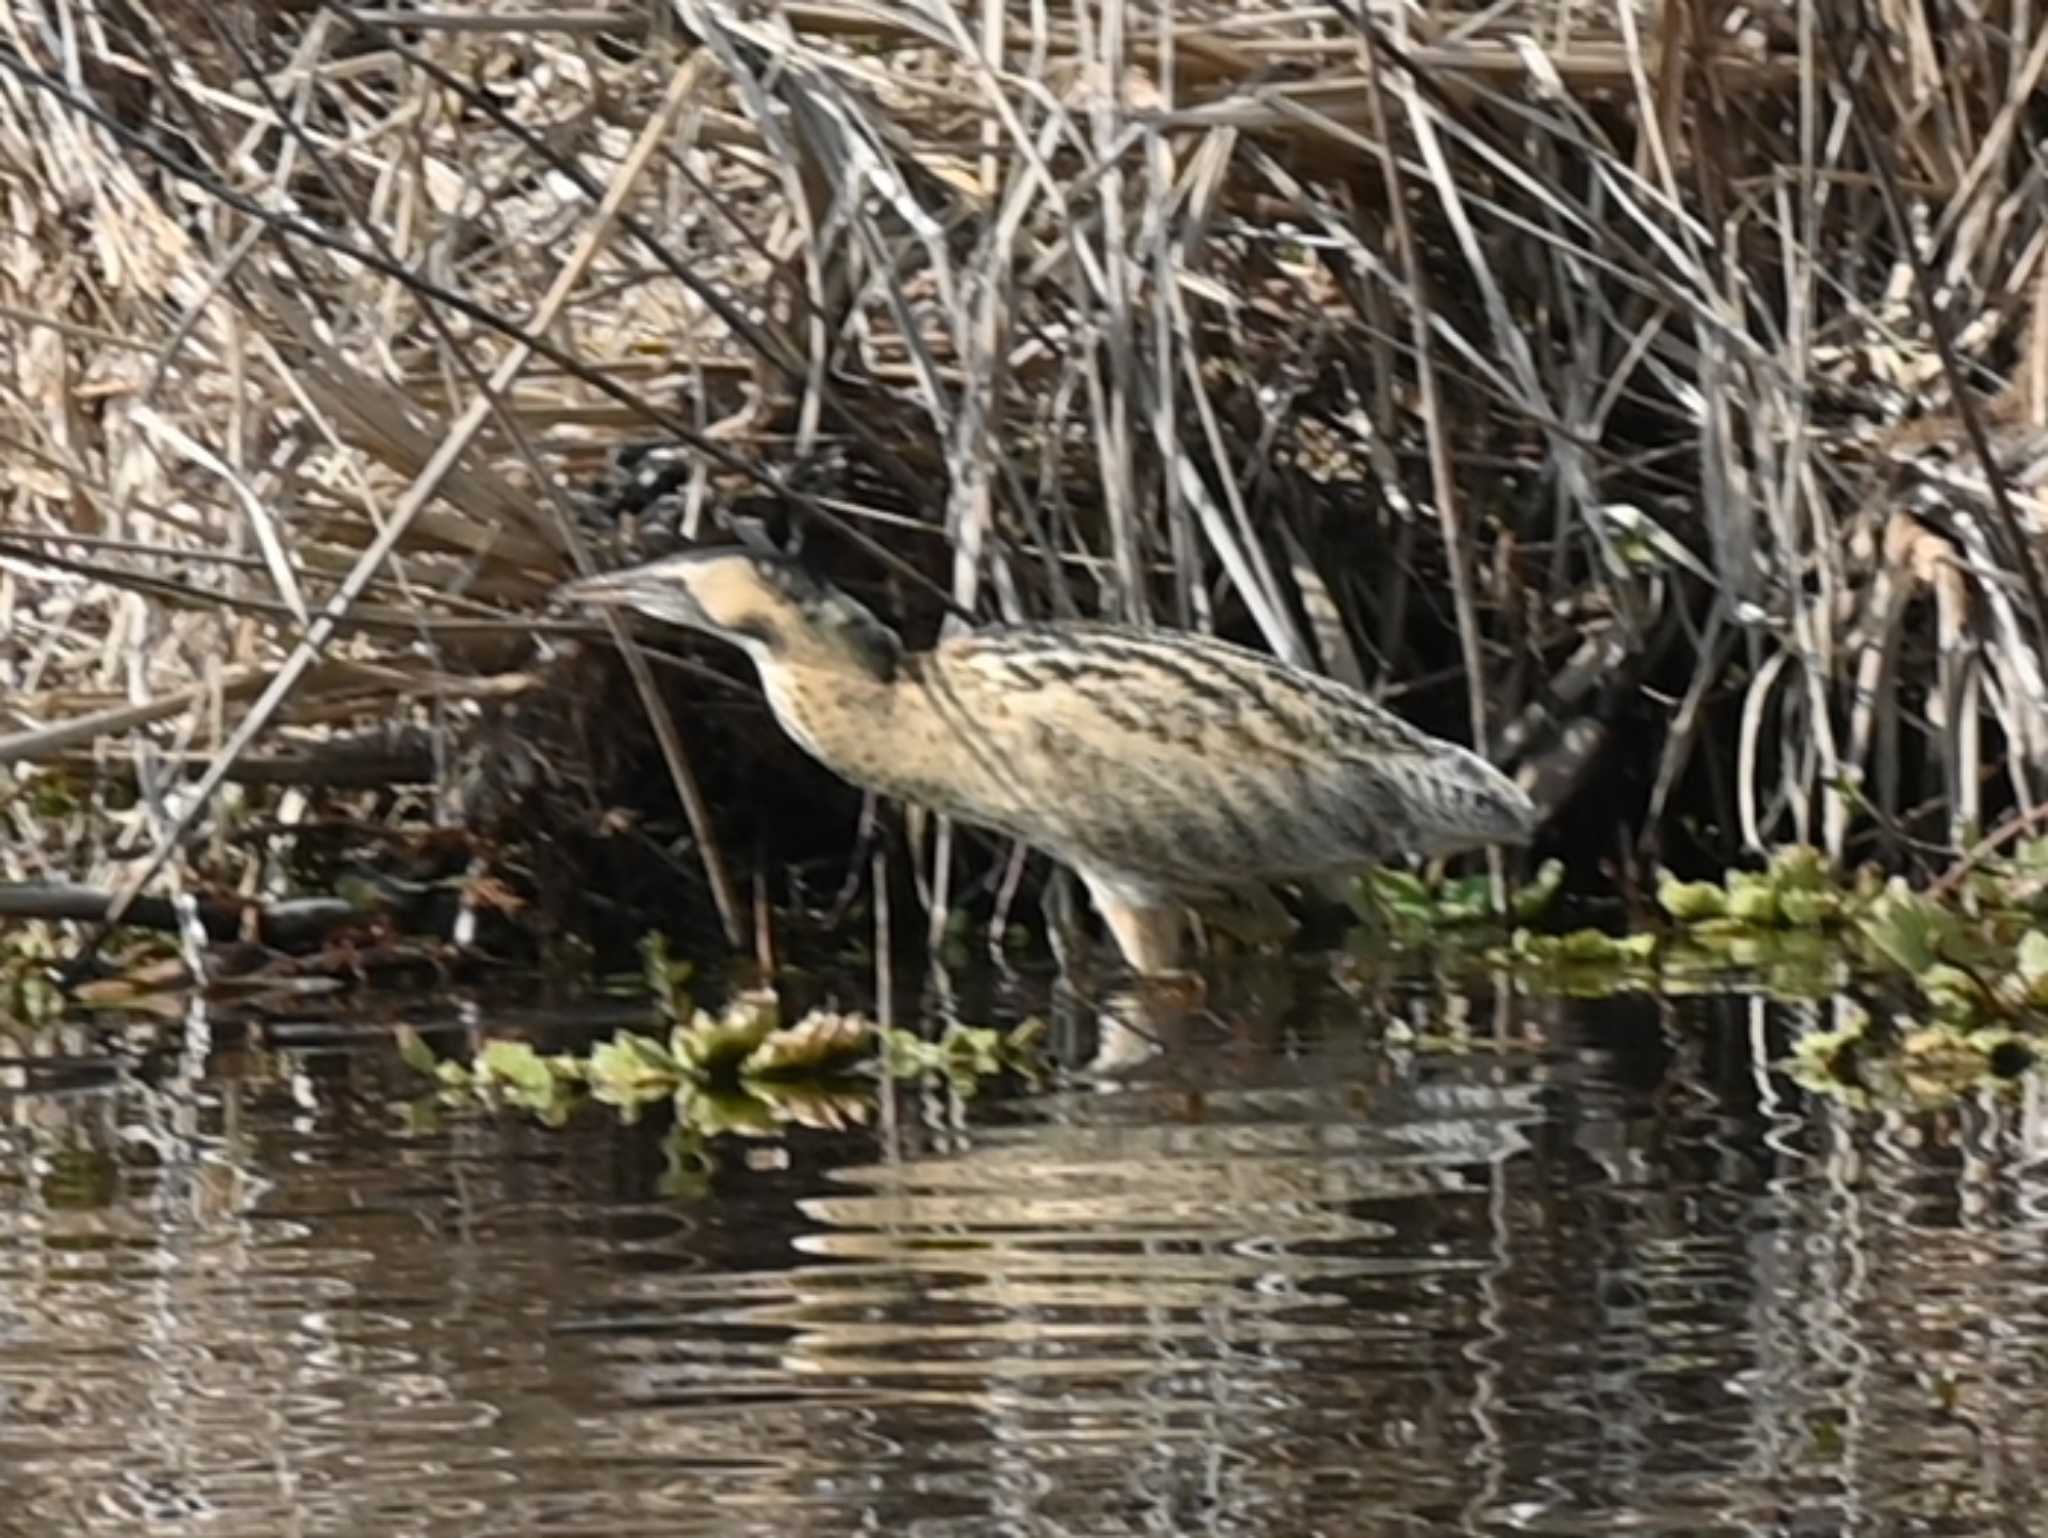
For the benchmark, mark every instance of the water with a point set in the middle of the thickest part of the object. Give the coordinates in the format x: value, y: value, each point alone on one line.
x: 1600, y: 1270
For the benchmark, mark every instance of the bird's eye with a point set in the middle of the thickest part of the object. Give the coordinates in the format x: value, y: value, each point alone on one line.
x: 755, y: 627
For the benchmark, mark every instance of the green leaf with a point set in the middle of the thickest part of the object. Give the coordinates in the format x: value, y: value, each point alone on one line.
x: 1690, y: 901
x: 1952, y: 993
x: 1752, y: 898
x: 1907, y: 929
x: 1807, y: 908
x: 1595, y: 945
x: 1022, y: 1042
x: 1800, y: 867
x: 665, y: 975
x: 1401, y: 894
x: 710, y: 1112
x: 521, y: 1075
x: 821, y: 1044
x: 708, y: 1047
x: 631, y: 1069
x: 1467, y: 899
x: 1533, y: 899
x: 1590, y: 950
x: 414, y: 1052
x: 2031, y: 959
x: 514, y: 1062
x: 973, y: 1049
x: 965, y: 1054
x: 1821, y: 1059
x: 454, y: 1075
x: 687, y: 1167
x: 907, y: 1055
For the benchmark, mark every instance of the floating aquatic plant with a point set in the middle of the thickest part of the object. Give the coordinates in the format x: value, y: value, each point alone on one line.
x: 740, y: 1070
x: 1406, y: 908
x: 1967, y: 955
x: 1960, y: 968
x: 1868, y: 1061
x: 1958, y: 946
x: 1796, y: 890
x: 1585, y: 963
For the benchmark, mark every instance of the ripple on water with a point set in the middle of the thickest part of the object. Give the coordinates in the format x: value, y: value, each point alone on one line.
x: 1587, y: 1283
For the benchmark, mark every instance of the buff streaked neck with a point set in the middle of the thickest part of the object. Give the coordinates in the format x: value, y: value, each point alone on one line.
x: 836, y: 706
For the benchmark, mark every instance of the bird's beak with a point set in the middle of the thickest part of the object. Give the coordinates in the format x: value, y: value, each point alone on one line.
x: 611, y: 589
x: 660, y: 589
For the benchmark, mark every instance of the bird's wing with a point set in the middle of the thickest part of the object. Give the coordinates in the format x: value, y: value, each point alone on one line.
x: 1194, y: 761
x: 1176, y: 693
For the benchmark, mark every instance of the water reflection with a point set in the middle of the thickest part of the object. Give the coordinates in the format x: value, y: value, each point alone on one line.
x: 1594, y: 1268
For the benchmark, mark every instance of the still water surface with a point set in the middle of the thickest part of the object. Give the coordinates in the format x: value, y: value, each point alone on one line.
x: 1601, y: 1270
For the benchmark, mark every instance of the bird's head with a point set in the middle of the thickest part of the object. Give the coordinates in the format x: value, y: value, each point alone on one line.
x: 780, y: 613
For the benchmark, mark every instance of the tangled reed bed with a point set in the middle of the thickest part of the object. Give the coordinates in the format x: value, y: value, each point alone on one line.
x: 1656, y: 396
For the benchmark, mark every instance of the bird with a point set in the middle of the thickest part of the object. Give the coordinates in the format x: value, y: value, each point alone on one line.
x: 1166, y: 768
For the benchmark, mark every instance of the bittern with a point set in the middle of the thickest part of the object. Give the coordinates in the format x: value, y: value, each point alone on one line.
x: 1167, y: 769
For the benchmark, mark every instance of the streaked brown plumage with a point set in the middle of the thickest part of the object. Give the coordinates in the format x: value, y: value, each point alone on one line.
x: 1164, y: 767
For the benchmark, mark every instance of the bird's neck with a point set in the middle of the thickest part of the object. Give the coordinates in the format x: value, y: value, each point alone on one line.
x: 838, y: 711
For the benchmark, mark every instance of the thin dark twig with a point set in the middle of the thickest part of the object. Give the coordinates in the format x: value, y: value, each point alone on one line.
x: 2018, y: 549
x: 763, y: 476
x: 769, y: 348
x: 298, y: 921
x: 1985, y: 848
x: 688, y: 790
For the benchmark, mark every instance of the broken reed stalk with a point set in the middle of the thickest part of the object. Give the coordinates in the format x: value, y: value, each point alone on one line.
x: 1077, y: 366
x: 307, y: 652
x: 1443, y: 479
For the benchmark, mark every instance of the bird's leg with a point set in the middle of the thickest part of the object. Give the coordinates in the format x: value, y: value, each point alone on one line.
x: 1134, y: 1025
x: 1146, y: 925
x: 1148, y: 935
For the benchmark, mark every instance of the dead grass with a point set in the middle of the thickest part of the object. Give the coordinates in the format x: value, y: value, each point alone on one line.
x: 1665, y: 364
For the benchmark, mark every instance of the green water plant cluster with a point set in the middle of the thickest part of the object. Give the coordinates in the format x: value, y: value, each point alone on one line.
x: 1956, y: 974
x: 1976, y: 1012
x: 1792, y: 928
x: 1797, y: 889
x: 1780, y: 926
x: 741, y: 1070
x: 1581, y: 963
x: 1808, y: 930
x: 1402, y: 909
x: 1972, y: 953
x: 1872, y: 1060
